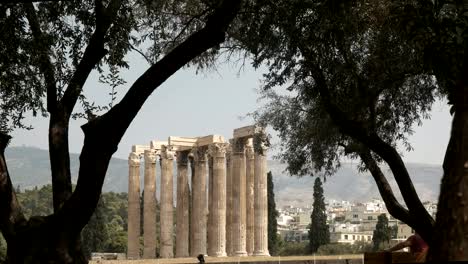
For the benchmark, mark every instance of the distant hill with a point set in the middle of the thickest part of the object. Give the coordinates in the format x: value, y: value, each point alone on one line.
x: 30, y: 167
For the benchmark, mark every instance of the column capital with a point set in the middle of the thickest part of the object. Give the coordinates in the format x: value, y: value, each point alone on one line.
x: 238, y: 145
x: 216, y: 150
x: 167, y: 153
x: 261, y: 143
x: 134, y: 159
x: 249, y: 151
x: 182, y: 157
x: 200, y: 154
x: 150, y: 156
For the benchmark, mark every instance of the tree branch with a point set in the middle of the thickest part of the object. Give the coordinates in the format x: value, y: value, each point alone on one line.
x: 10, y: 210
x: 377, y: 145
x: 103, y: 134
x: 385, y: 190
x: 94, y: 52
x: 45, y: 64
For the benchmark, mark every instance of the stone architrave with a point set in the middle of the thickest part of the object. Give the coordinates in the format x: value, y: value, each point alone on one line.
x: 149, y: 200
x: 238, y: 197
x: 183, y: 202
x: 261, y: 197
x: 250, y: 182
x: 167, y: 203
x: 217, y: 242
x: 228, y: 200
x: 133, y: 243
x: 199, y: 203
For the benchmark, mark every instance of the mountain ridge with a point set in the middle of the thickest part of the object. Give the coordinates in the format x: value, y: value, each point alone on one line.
x: 29, y: 167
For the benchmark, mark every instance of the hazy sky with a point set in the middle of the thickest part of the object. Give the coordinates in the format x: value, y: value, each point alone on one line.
x: 210, y: 103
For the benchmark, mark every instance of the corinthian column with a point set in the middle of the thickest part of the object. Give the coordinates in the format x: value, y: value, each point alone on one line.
x: 249, y: 154
x: 261, y: 198
x: 167, y: 203
x: 210, y: 246
x: 199, y: 205
x: 182, y: 226
x: 133, y: 246
x: 229, y: 201
x: 218, y: 205
x: 149, y: 199
x: 238, y: 197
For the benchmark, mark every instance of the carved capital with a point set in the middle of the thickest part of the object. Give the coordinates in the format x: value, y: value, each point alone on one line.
x: 261, y: 143
x: 217, y: 150
x: 238, y: 145
x: 133, y: 159
x: 167, y: 153
x: 182, y: 158
x: 200, y: 154
x: 150, y: 156
x: 249, y: 151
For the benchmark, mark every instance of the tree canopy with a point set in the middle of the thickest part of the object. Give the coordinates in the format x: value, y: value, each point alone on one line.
x: 358, y: 76
x: 48, y: 50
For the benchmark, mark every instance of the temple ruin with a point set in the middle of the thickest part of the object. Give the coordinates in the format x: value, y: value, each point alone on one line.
x: 227, y: 192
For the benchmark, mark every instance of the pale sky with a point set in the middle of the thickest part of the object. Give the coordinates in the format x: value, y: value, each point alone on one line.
x: 210, y: 103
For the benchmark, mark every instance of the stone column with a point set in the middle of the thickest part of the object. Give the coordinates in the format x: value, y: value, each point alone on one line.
x: 199, y: 205
x: 182, y: 226
x: 210, y: 230
x: 149, y: 200
x: 133, y: 243
x: 250, y: 164
x: 238, y: 198
x: 261, y: 199
x: 228, y: 201
x: 218, y: 205
x: 167, y: 203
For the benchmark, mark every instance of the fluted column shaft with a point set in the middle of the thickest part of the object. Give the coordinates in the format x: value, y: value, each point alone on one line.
x: 261, y: 201
x: 182, y: 226
x: 238, y: 198
x: 149, y: 200
x: 133, y: 243
x: 199, y: 204
x: 210, y: 245
x: 228, y: 202
x: 217, y: 242
x: 167, y: 202
x: 250, y: 182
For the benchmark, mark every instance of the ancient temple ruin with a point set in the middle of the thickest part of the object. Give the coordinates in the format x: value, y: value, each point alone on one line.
x: 227, y: 192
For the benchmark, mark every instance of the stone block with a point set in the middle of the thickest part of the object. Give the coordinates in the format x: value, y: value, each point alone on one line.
x: 247, y: 131
x: 140, y: 149
x: 207, y: 140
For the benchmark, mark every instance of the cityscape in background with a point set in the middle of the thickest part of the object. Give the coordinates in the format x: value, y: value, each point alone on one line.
x: 348, y: 222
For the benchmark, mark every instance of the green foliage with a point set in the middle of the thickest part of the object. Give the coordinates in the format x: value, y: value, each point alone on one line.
x: 371, y: 74
x: 273, y: 239
x: 66, y: 28
x: 105, y: 232
x: 94, y: 235
x: 36, y: 202
x: 358, y: 247
x: 293, y: 249
x: 382, y: 233
x: 319, y: 234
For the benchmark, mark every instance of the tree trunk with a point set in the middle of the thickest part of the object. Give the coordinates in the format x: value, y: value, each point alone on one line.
x: 41, y: 240
x: 450, y: 242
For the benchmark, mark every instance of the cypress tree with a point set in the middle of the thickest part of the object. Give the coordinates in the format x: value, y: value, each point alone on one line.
x: 272, y: 215
x: 382, y: 232
x: 318, y: 232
